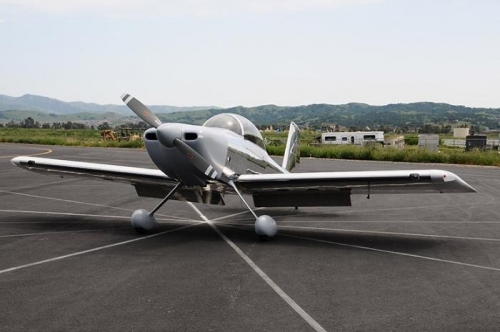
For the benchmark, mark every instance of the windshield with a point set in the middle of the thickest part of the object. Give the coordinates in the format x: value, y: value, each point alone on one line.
x: 237, y: 124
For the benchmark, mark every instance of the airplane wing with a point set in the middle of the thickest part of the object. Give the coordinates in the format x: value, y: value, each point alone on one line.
x: 268, y: 190
x: 335, y: 188
x: 147, y: 182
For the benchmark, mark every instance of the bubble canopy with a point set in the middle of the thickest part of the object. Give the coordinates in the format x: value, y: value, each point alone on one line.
x: 237, y: 124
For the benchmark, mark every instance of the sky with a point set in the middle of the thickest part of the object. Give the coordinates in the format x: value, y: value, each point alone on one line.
x: 241, y: 52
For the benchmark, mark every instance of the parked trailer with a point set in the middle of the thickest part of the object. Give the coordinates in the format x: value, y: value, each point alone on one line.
x: 355, y: 137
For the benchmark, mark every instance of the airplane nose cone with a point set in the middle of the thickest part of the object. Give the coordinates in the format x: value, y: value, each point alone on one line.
x: 167, y: 133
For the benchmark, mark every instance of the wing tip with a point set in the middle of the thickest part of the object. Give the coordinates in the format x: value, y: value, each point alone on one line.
x: 16, y: 161
x: 449, y: 177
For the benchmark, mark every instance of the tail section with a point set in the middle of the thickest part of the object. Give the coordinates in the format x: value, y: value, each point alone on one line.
x: 292, y: 150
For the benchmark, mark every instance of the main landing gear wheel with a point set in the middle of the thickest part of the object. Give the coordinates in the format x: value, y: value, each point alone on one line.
x: 265, y: 227
x: 144, y: 221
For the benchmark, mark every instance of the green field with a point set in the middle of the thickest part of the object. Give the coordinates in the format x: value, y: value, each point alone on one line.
x: 276, y: 146
x: 412, y: 154
x: 71, y: 137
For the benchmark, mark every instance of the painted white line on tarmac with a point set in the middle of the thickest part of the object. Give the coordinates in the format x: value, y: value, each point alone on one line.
x: 47, y: 151
x: 82, y: 203
x: 370, y: 222
x: 392, y: 233
x: 394, y: 253
x: 63, y: 200
x: 74, y: 214
x: 390, y: 222
x: 62, y: 232
x: 237, y: 214
x: 427, y: 207
x: 93, y: 250
x: 379, y: 250
x: 59, y: 214
x: 314, y: 324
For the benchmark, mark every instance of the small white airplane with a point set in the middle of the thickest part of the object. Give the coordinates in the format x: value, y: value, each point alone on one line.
x: 227, y: 155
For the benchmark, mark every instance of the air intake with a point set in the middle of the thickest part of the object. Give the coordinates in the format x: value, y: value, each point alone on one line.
x: 190, y: 136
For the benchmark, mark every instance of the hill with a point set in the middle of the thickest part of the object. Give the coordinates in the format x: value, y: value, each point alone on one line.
x: 42, y: 104
x: 355, y: 115
x: 43, y: 110
x: 83, y: 117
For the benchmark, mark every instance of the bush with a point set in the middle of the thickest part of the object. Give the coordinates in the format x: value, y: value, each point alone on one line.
x: 409, y: 154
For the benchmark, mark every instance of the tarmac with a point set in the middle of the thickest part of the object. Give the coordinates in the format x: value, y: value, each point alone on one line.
x: 69, y: 259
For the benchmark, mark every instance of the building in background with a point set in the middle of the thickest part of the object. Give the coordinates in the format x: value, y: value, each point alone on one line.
x: 353, y: 138
x: 460, y: 132
x: 475, y: 142
x: 430, y: 142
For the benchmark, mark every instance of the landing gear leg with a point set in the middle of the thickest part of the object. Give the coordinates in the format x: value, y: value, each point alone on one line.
x: 144, y: 221
x: 265, y: 226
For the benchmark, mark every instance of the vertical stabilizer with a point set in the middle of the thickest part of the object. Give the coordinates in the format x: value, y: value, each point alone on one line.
x: 292, y: 150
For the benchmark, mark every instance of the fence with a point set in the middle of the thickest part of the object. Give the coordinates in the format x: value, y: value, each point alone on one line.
x: 461, y: 142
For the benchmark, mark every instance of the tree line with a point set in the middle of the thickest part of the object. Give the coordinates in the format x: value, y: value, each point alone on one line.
x: 29, y: 122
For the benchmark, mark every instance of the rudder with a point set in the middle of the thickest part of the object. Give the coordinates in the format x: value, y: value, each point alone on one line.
x: 292, y: 150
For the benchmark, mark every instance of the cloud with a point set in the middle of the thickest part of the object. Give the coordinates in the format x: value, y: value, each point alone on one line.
x: 177, y: 7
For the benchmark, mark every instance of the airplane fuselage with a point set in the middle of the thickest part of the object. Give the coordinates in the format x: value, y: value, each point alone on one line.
x: 228, y: 152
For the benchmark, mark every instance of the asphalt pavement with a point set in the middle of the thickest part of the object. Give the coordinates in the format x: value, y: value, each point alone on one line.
x: 69, y: 259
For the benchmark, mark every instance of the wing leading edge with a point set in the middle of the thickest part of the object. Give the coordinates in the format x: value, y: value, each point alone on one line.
x: 335, y: 188
x: 147, y: 182
x: 268, y: 190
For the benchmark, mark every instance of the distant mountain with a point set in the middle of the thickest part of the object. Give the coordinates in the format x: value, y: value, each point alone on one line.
x: 82, y: 117
x: 36, y: 103
x: 354, y: 114
x: 50, y: 105
x: 358, y: 115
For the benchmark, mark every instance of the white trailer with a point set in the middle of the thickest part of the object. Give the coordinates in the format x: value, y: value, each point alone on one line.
x: 355, y: 137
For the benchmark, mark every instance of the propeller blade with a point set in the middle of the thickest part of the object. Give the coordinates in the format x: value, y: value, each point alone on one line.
x: 141, y: 110
x: 196, y: 159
